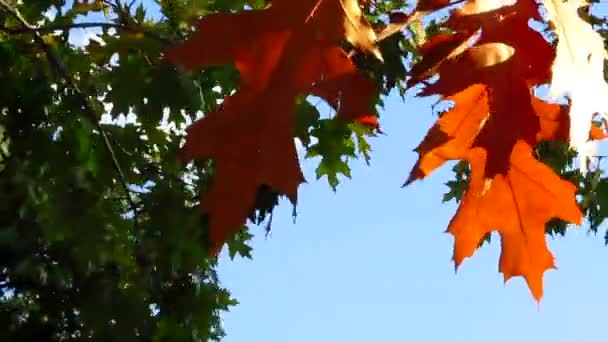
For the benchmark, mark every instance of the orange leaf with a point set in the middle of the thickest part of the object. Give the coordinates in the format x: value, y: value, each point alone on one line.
x: 494, y: 125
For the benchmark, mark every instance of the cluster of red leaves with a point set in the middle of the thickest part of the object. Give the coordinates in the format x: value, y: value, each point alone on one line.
x: 488, y: 67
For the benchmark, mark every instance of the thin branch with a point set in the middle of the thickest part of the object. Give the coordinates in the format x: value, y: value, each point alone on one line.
x: 393, y: 28
x: 63, y: 27
x: 85, y: 101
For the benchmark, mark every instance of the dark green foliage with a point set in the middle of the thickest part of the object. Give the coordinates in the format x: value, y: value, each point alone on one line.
x: 87, y: 252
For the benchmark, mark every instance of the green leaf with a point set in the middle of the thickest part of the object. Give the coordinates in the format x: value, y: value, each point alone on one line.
x: 335, y: 145
x: 307, y: 117
x: 239, y: 244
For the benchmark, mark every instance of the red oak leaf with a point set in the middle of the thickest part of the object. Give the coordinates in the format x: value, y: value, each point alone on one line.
x: 288, y: 49
x: 494, y: 125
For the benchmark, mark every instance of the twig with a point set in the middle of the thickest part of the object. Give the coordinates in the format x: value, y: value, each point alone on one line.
x: 392, y: 29
x: 85, y: 101
x: 63, y: 27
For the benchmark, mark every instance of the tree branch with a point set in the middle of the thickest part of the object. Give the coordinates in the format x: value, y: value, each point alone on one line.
x: 85, y: 101
x: 63, y: 27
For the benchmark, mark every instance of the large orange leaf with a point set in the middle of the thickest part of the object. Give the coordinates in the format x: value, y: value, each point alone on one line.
x: 288, y: 49
x: 494, y: 125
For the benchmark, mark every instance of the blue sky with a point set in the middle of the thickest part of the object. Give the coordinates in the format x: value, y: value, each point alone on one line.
x: 371, y: 263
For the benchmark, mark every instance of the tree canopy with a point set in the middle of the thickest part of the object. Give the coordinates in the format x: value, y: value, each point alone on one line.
x: 129, y: 160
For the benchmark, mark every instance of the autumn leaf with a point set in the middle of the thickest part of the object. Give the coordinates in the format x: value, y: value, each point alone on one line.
x: 284, y: 51
x: 555, y: 122
x: 349, y: 94
x: 578, y: 70
x: 357, y: 30
x: 438, y: 49
x: 494, y: 125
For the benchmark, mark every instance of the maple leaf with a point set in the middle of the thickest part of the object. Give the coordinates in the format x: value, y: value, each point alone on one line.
x: 494, y: 125
x: 286, y: 50
x: 578, y: 70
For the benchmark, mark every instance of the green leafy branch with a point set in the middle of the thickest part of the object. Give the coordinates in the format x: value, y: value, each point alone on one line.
x: 103, y: 25
x: 85, y: 101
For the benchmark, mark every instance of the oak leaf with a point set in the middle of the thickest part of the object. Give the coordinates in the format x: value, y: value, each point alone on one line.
x: 289, y: 49
x: 494, y: 125
x: 578, y: 70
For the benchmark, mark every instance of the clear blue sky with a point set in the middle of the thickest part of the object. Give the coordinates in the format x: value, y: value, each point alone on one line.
x: 371, y: 263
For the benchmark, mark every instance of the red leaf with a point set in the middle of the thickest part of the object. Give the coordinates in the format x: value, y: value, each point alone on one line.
x: 494, y: 125
x: 288, y: 49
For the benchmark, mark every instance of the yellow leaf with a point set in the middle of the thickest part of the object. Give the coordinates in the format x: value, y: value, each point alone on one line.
x: 578, y: 70
x: 358, y: 31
